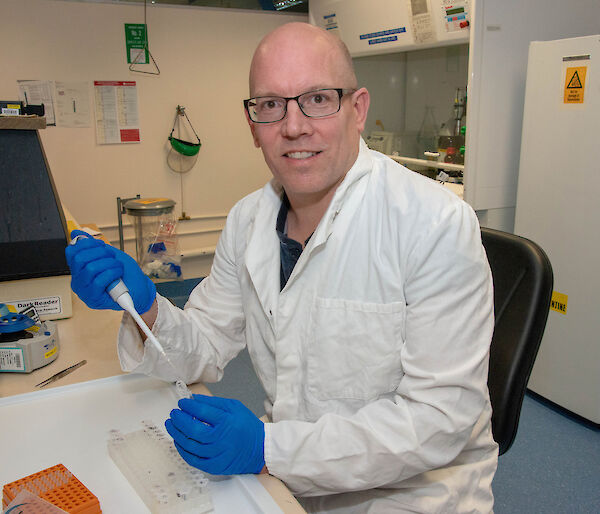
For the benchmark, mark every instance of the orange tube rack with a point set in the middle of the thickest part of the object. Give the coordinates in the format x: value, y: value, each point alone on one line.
x: 58, y: 486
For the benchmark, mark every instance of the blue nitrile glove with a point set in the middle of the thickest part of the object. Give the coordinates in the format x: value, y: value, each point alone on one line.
x: 96, y: 265
x: 218, y: 435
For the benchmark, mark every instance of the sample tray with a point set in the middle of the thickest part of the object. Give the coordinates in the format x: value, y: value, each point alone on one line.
x: 70, y: 425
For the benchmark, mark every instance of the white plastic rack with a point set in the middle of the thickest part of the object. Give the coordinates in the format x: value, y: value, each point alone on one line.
x: 163, y: 480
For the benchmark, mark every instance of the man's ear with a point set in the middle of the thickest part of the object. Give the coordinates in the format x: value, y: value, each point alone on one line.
x: 252, y: 129
x: 361, y: 100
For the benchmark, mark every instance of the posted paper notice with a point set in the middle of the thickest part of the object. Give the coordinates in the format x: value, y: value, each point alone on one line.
x: 72, y: 104
x: 117, y: 119
x: 38, y: 92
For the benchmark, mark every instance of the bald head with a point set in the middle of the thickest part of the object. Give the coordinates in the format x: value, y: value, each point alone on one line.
x: 308, y: 155
x: 286, y: 42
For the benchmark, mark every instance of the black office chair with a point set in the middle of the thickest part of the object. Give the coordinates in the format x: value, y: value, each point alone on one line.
x: 523, y: 281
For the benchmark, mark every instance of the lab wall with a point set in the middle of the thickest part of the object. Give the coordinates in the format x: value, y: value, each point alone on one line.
x: 203, y: 55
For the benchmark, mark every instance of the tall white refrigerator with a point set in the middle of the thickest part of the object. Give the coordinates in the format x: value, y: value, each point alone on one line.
x: 558, y: 206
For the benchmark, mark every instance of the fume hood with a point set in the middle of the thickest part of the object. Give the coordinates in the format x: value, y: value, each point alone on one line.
x: 414, y: 54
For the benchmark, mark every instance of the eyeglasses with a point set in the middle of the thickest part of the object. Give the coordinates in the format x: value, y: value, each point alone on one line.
x: 314, y: 104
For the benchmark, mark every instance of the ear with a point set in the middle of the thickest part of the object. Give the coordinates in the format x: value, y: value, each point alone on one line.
x: 361, y: 100
x: 252, y: 126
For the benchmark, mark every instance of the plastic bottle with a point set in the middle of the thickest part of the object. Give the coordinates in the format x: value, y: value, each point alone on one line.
x: 443, y: 142
x: 428, y: 134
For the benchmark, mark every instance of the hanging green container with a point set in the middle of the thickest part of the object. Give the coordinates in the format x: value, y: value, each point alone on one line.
x: 186, y: 148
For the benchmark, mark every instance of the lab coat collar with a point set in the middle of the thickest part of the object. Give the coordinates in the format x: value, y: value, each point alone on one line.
x: 263, y: 252
x: 360, y: 168
x: 262, y: 255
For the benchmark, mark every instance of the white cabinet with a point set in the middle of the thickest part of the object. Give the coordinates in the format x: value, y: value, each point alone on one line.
x: 558, y: 207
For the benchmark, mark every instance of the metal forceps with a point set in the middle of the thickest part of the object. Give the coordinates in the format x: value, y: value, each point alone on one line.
x: 61, y: 374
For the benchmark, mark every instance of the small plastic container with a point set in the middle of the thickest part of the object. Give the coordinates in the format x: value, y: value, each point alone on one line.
x: 155, y: 228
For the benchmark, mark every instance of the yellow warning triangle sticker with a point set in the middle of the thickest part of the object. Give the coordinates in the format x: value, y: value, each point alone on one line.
x: 574, y: 83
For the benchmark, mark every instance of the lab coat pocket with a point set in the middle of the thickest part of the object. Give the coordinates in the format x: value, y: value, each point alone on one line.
x: 354, y: 349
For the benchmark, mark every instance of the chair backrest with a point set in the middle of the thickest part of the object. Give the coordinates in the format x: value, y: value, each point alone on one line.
x: 523, y: 282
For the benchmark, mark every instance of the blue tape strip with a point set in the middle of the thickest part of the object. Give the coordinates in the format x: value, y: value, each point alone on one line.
x: 398, y: 30
x: 383, y: 40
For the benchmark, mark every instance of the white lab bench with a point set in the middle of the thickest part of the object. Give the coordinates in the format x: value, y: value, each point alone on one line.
x: 68, y: 421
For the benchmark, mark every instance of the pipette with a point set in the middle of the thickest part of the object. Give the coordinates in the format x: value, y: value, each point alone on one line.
x: 119, y: 293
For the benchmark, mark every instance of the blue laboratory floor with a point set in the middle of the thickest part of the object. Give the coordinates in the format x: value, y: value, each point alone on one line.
x: 552, y: 467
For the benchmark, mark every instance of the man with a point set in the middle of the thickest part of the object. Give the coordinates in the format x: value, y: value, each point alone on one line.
x: 362, y: 292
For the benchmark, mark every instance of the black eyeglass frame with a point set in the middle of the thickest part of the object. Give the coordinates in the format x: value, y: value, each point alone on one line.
x: 340, y: 91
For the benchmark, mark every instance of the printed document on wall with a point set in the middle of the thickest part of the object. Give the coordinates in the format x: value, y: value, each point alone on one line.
x: 422, y: 23
x: 38, y: 92
x: 72, y: 104
x: 117, y: 119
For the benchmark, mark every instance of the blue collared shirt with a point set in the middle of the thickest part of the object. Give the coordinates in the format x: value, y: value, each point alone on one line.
x: 290, y: 249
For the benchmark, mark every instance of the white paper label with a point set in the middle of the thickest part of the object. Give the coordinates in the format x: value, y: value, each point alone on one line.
x: 11, y: 359
x: 43, y: 306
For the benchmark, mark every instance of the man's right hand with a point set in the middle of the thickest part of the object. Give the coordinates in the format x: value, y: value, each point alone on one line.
x: 95, y: 265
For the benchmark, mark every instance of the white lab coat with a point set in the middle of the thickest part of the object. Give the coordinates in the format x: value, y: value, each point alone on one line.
x: 374, y: 357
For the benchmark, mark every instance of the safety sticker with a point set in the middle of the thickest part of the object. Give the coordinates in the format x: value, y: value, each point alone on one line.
x: 559, y: 302
x: 575, y: 85
x: 330, y: 22
x: 50, y: 353
x: 11, y: 359
x: 11, y: 109
x: 136, y: 41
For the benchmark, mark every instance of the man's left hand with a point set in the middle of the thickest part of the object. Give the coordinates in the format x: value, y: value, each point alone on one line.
x: 217, y: 435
